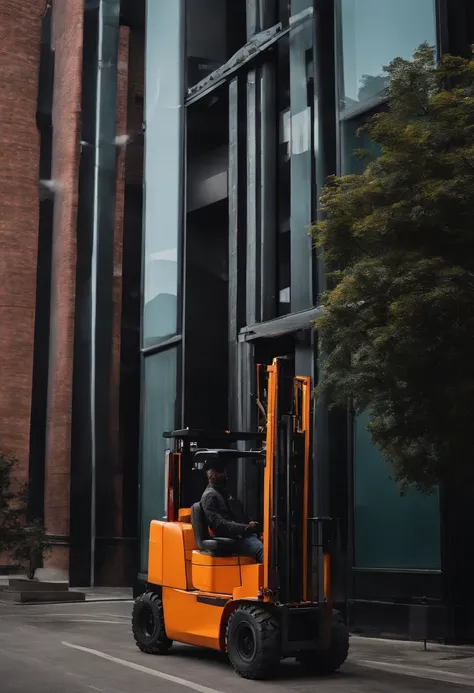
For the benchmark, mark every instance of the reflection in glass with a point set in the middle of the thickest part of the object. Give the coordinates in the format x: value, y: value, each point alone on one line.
x: 391, y: 531
x: 163, y: 167
x: 159, y: 395
x: 215, y: 30
x: 374, y: 32
x: 352, y: 140
x: 301, y: 149
x: 295, y: 98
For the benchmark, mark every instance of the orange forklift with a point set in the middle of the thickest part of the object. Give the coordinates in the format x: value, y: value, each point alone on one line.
x: 201, y: 593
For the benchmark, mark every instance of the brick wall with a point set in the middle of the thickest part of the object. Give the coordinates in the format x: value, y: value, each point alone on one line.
x: 20, y: 36
x: 67, y: 42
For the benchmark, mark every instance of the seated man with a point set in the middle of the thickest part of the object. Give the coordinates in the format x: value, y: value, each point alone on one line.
x: 225, y: 516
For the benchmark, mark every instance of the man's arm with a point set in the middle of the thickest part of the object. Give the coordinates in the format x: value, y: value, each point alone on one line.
x: 218, y: 524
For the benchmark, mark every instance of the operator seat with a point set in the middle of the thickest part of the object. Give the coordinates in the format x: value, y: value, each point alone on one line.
x: 212, y: 546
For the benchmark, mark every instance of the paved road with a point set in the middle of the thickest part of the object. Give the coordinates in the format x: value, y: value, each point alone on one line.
x: 79, y: 648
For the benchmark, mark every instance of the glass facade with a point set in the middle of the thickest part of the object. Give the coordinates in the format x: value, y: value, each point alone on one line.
x: 284, y: 180
x: 352, y: 140
x: 301, y: 115
x: 251, y: 145
x: 164, y: 96
x: 159, y: 402
x: 374, y: 32
x: 391, y: 531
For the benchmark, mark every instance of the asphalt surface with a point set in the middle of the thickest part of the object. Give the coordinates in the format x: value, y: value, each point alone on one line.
x: 86, y: 647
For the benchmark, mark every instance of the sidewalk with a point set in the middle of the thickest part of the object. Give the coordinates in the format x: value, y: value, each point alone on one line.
x: 442, y: 663
x: 93, y: 594
x: 105, y: 594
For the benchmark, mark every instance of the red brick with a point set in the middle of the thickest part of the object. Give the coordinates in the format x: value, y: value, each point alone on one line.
x: 20, y: 37
x: 67, y: 41
x: 134, y: 161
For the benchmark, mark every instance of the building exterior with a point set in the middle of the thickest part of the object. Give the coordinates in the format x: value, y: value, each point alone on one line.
x: 163, y: 165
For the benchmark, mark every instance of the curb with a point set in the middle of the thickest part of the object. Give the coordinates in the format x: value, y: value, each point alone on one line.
x: 426, y: 673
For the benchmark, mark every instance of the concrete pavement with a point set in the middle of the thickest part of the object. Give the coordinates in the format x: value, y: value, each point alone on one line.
x: 88, y: 647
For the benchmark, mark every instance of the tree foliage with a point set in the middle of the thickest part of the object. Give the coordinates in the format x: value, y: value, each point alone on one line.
x: 397, y: 331
x: 26, y: 542
x: 13, y: 504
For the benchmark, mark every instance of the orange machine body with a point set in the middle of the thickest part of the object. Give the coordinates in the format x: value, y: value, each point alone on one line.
x: 198, y: 590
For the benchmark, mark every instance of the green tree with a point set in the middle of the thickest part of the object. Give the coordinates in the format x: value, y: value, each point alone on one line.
x: 26, y: 542
x: 13, y: 505
x: 397, y: 332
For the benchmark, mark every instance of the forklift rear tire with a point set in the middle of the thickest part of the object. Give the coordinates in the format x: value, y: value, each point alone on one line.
x: 325, y: 662
x: 148, y: 625
x: 253, y: 642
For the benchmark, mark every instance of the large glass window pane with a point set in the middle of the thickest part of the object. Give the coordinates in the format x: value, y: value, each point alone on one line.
x: 301, y: 153
x: 373, y: 33
x: 391, y: 531
x: 295, y: 179
x: 164, y: 93
x: 159, y: 397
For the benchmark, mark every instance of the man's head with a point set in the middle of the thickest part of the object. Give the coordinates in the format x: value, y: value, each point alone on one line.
x: 217, y: 476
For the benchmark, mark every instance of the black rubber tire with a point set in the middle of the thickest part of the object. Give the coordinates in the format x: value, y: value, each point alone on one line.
x: 257, y: 630
x: 325, y: 662
x: 148, y: 625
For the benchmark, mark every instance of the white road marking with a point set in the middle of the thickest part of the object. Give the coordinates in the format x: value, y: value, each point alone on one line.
x: 94, y: 620
x: 419, y: 672
x: 144, y: 670
x: 126, y: 618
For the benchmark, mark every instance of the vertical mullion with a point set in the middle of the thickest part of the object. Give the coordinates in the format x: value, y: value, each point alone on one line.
x: 301, y: 40
x: 268, y: 168
x: 325, y: 162
x: 253, y: 254
x: 268, y: 171
x: 237, y: 235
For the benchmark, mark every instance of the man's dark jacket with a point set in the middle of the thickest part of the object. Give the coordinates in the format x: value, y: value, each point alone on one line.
x: 224, y: 514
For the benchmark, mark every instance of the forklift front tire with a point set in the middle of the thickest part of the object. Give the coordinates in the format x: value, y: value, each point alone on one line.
x: 325, y: 662
x: 253, y: 642
x: 148, y: 625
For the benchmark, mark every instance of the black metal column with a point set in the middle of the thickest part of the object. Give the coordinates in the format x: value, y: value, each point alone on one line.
x: 262, y: 119
x: 332, y: 477
x: 91, y: 459
x: 261, y: 236
x: 39, y: 394
x: 325, y: 164
x: 268, y: 112
x: 253, y: 289
x: 237, y: 237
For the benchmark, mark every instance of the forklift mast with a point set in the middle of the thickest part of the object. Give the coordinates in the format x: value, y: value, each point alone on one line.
x: 296, y: 545
x: 295, y: 562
